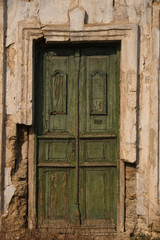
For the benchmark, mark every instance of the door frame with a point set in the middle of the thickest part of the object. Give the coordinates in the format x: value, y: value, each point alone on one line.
x: 128, y: 35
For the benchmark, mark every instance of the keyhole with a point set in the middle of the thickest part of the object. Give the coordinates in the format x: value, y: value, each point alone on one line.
x: 113, y: 3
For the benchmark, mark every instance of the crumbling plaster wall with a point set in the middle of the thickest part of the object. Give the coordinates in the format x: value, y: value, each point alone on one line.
x: 141, y: 177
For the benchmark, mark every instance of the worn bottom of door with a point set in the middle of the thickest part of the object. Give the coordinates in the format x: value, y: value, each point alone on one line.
x: 77, y: 135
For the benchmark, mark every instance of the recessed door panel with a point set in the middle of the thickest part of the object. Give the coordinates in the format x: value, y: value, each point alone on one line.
x: 56, y: 150
x: 98, y: 150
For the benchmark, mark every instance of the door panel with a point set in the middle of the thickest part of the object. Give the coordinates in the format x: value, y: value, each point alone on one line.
x: 98, y: 150
x: 55, y: 201
x: 99, y: 69
x: 98, y: 183
x: 98, y: 197
x: 56, y: 151
x: 77, y: 129
x: 55, y: 91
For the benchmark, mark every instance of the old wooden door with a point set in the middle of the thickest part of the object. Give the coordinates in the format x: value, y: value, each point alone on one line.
x: 77, y: 131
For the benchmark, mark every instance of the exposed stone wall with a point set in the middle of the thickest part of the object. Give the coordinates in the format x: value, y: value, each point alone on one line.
x: 16, y: 176
x: 131, y: 199
x: 141, y: 200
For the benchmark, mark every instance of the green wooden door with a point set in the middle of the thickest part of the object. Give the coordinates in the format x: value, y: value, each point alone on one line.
x: 77, y: 131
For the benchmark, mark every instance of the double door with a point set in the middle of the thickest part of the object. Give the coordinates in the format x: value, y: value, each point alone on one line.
x: 77, y: 131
